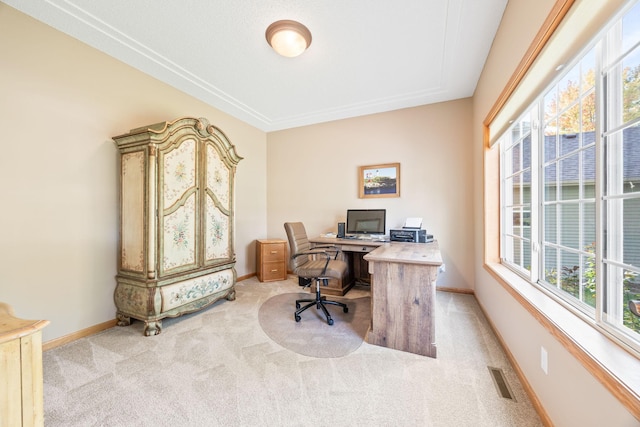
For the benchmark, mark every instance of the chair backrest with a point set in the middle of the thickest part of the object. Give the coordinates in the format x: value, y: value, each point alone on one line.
x: 298, y: 242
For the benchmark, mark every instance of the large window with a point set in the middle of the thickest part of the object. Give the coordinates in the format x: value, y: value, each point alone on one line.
x: 570, y: 183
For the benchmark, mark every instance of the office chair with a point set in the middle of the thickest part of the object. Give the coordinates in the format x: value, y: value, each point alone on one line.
x: 313, y: 264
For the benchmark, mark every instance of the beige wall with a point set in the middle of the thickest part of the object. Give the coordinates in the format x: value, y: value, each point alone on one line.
x: 570, y: 395
x: 313, y: 176
x: 61, y: 102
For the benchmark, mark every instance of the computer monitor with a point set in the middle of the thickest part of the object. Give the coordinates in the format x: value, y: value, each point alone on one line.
x: 366, y: 221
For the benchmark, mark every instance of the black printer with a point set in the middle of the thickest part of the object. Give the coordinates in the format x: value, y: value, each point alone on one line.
x: 414, y: 235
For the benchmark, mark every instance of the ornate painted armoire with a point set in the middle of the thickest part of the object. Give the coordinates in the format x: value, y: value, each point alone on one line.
x: 176, y: 251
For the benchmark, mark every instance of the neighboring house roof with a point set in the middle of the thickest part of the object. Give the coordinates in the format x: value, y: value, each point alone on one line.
x: 569, y: 143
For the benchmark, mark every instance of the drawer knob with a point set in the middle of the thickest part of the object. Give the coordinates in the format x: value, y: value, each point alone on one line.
x: 274, y: 252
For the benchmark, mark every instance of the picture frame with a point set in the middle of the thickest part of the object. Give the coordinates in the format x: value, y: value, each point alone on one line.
x: 375, y: 181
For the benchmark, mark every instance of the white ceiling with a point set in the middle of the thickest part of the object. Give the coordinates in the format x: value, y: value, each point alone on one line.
x: 367, y: 56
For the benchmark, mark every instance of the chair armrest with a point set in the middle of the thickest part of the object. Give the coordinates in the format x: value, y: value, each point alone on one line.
x: 331, y: 248
x: 311, y: 252
x: 324, y: 246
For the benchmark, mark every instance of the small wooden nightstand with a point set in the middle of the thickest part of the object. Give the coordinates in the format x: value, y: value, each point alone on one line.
x: 20, y: 370
x: 271, y: 260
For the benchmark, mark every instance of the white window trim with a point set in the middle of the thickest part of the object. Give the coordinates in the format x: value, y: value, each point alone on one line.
x: 611, y: 363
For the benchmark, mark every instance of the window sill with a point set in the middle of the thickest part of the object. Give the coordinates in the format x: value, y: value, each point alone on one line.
x: 611, y: 363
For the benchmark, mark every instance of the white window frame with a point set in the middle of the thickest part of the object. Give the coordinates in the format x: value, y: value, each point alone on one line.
x: 608, y: 318
x: 507, y: 202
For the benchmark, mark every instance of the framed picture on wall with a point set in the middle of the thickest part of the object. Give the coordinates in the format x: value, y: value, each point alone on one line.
x: 379, y: 181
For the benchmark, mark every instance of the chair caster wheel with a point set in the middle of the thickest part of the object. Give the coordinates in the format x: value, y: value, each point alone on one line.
x: 345, y: 310
x: 296, y: 317
x: 330, y: 322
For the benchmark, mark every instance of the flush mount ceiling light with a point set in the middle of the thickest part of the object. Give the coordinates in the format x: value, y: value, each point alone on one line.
x: 288, y: 38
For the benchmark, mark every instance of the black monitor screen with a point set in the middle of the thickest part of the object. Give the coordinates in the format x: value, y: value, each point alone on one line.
x: 366, y: 221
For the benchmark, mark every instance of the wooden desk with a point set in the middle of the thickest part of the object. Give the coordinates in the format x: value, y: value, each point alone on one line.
x: 403, y: 292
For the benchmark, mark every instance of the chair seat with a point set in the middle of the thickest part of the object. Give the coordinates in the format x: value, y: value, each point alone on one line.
x: 336, y: 269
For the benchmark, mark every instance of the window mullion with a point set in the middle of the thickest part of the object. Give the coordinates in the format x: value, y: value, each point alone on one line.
x: 536, y: 133
x: 612, y: 289
x: 600, y: 87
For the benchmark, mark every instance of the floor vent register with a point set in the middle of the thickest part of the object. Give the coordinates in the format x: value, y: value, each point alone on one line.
x: 501, y: 383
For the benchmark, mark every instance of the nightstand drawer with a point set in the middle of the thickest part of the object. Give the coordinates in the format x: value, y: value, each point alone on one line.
x: 271, y: 260
x: 273, y: 271
x: 273, y: 252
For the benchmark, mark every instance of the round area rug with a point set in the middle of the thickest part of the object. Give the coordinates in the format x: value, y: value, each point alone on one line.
x: 312, y: 336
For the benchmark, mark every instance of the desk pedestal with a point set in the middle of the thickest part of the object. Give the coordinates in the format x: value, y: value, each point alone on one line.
x: 403, y: 292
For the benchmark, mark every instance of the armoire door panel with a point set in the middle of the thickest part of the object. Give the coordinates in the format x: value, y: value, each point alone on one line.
x: 178, y: 244
x: 218, y: 176
x: 178, y: 171
x: 178, y: 220
x: 217, y: 232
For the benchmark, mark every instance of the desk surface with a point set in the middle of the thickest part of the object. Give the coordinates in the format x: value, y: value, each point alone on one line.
x: 407, y: 253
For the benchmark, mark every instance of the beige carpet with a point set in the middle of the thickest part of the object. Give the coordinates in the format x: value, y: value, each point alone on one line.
x: 312, y: 336
x: 218, y: 367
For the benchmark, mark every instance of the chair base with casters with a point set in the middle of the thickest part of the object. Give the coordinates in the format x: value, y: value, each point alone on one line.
x: 320, y: 302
